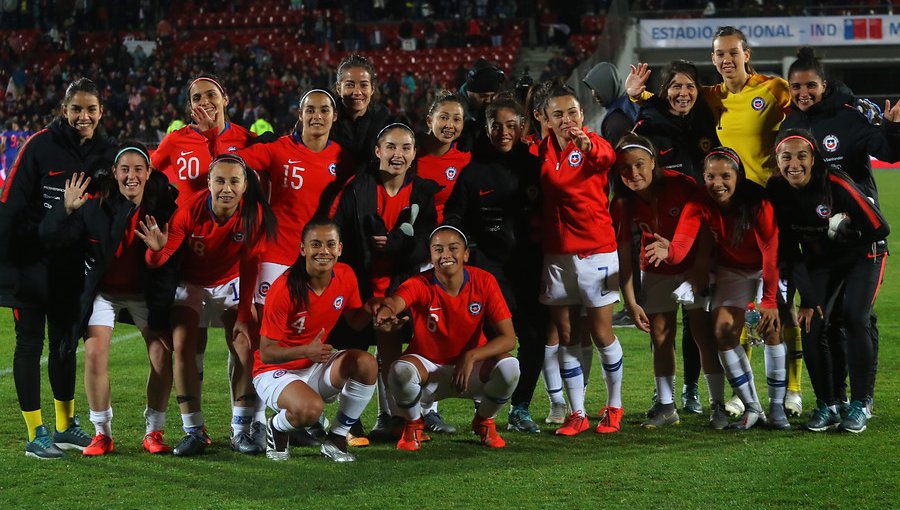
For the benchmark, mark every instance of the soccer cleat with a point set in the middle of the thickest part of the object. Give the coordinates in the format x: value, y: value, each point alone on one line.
x: 383, y: 429
x: 435, y: 423
x: 777, y: 417
x: 486, y: 429
x: 690, y: 399
x: 154, y: 443
x: 193, y: 443
x: 870, y: 406
x: 205, y: 436
x: 411, y: 439
x: 843, y: 409
x: 243, y: 442
x: 663, y: 418
x: 100, y: 445
x: 753, y: 414
x: 856, y: 419
x: 822, y: 419
x: 558, y: 414
x: 42, y: 447
x: 334, y: 447
x: 258, y: 435
x: 356, y: 438
x: 718, y: 417
x: 654, y: 409
x: 520, y: 420
x: 793, y: 403
x: 276, y: 442
x: 610, y: 420
x: 734, y: 406
x: 575, y: 424
x: 73, y: 438
x: 622, y: 319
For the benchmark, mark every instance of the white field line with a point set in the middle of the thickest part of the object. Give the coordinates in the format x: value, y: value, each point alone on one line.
x: 116, y: 339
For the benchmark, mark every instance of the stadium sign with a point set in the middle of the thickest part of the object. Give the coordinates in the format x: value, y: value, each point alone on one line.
x: 774, y: 32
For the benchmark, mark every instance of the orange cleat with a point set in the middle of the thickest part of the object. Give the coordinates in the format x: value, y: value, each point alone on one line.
x: 610, y: 420
x: 100, y: 445
x: 487, y: 431
x: 575, y: 424
x: 411, y: 439
x: 154, y: 443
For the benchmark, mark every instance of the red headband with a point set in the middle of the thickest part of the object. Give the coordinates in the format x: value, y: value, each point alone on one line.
x: 728, y: 155
x: 214, y: 82
x: 794, y: 137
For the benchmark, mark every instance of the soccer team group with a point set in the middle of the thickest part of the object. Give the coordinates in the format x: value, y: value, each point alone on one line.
x: 491, y: 232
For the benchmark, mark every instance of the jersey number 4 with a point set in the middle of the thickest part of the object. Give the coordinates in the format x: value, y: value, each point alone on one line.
x: 299, y: 324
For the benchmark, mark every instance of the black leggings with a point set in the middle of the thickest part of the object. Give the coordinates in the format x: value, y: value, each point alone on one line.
x: 30, y: 324
x: 849, y: 291
x: 531, y: 323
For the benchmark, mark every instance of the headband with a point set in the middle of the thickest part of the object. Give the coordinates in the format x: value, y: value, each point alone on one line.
x: 395, y: 125
x: 228, y: 156
x: 131, y: 148
x: 323, y: 91
x: 636, y: 146
x: 450, y: 227
x: 214, y: 82
x: 794, y: 137
x: 729, y: 155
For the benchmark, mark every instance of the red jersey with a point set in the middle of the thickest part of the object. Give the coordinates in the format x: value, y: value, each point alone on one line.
x: 658, y: 217
x: 124, y: 275
x: 300, y: 179
x: 389, y: 208
x: 443, y: 170
x: 445, y: 326
x: 576, y: 206
x: 758, y: 248
x: 216, y: 253
x: 291, y: 323
x: 183, y: 155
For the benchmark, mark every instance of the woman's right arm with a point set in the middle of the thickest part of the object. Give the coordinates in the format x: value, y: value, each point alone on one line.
x: 63, y: 225
x: 622, y: 222
x: 674, y: 251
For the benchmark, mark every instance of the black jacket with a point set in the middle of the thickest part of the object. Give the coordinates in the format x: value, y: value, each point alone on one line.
x: 96, y: 230
x: 681, y: 141
x: 497, y: 204
x: 803, y: 217
x: 357, y: 136
x: 29, y: 274
x: 846, y: 139
x: 357, y: 216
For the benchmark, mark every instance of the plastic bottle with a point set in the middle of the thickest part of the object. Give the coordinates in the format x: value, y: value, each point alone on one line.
x: 751, y: 319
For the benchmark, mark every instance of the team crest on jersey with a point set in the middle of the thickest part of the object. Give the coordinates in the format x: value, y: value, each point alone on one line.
x: 332, y: 169
x: 758, y: 103
x: 238, y: 237
x: 338, y: 302
x: 831, y: 143
x: 232, y: 148
x: 264, y: 288
x: 474, y: 307
x: 278, y: 373
x: 674, y: 212
x: 450, y: 173
x: 705, y: 144
x: 575, y: 158
x: 823, y: 211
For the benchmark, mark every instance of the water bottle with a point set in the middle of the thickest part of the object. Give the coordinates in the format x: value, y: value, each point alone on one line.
x: 751, y: 319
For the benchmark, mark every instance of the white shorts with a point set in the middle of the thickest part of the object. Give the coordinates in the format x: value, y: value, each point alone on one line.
x: 268, y: 273
x: 783, y: 292
x: 592, y: 281
x: 660, y: 291
x: 107, y: 306
x: 440, y: 382
x: 269, y: 385
x: 209, y: 302
x: 735, y: 288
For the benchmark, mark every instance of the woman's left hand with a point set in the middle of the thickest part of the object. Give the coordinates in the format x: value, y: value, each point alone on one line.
x: 202, y: 118
x: 463, y: 370
x: 74, y: 195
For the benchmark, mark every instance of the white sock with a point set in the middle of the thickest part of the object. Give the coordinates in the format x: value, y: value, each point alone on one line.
x: 611, y: 357
x: 735, y: 363
x: 192, y: 422
x: 383, y: 405
x: 552, y: 379
x: 776, y: 372
x: 241, y: 419
x: 501, y: 383
x: 259, y: 410
x: 572, y: 376
x: 406, y: 388
x: 715, y: 383
x: 587, y: 359
x: 664, y: 393
x: 155, y: 420
x: 280, y: 422
x: 102, y: 421
x: 355, y: 396
x: 430, y: 408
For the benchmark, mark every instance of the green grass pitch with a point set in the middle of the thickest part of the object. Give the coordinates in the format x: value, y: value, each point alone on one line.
x: 689, y: 466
